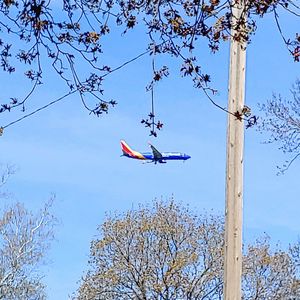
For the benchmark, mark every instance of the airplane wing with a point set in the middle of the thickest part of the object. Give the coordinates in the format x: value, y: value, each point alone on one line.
x: 157, y: 155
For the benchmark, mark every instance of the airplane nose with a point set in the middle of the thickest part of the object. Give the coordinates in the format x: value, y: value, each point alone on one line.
x: 186, y: 156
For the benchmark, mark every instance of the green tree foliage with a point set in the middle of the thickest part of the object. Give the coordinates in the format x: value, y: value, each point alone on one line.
x: 166, y: 252
x: 24, y: 240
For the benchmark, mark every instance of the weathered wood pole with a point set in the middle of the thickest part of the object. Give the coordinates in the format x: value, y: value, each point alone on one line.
x: 234, y: 165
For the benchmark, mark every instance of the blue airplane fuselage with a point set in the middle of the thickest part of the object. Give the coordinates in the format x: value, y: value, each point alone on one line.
x: 167, y: 156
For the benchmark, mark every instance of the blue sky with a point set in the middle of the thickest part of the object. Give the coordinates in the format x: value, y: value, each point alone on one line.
x: 64, y: 150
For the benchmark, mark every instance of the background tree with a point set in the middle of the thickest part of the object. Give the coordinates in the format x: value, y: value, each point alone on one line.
x: 281, y: 119
x: 24, y: 240
x: 167, y: 252
x: 6, y: 171
x: 270, y: 273
x: 163, y: 252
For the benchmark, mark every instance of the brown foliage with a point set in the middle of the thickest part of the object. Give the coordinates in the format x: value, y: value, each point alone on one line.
x: 69, y: 39
x: 270, y: 274
x: 166, y: 252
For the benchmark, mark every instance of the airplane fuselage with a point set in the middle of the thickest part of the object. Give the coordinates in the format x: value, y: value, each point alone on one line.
x: 165, y: 156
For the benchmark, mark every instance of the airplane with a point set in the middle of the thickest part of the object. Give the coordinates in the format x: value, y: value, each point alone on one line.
x: 155, y: 156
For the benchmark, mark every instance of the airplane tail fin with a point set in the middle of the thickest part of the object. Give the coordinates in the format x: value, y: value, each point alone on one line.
x: 126, y: 149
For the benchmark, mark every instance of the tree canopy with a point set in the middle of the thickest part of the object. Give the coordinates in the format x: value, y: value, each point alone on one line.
x: 37, y: 36
x: 24, y: 240
x: 168, y: 252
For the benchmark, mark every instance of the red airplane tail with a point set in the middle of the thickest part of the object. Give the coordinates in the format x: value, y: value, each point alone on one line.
x: 126, y: 149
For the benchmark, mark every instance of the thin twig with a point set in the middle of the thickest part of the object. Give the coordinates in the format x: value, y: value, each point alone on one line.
x: 39, y: 109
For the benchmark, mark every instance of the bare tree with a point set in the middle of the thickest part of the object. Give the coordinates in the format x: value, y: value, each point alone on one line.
x: 38, y: 35
x: 166, y: 252
x: 6, y: 171
x: 281, y: 120
x: 24, y: 240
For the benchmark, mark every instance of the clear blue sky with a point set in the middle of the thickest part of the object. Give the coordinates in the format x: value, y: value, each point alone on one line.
x: 77, y: 156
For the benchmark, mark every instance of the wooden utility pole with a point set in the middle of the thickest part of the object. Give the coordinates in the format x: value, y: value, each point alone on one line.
x: 234, y: 165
